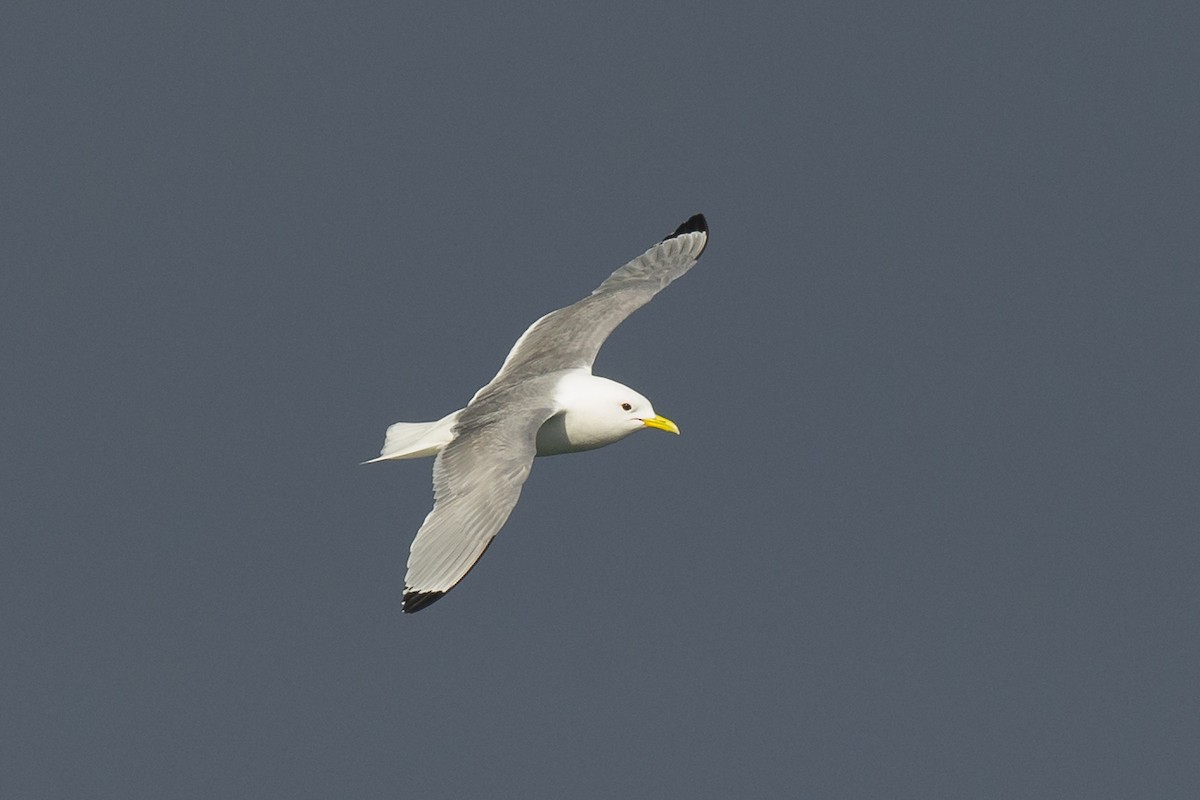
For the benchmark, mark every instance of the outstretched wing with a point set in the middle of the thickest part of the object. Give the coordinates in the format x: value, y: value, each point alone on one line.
x: 570, y: 337
x: 477, y: 480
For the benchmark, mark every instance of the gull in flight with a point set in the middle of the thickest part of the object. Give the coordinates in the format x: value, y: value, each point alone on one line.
x: 544, y: 401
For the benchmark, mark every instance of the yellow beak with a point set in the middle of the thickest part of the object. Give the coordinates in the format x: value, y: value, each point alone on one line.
x: 662, y: 423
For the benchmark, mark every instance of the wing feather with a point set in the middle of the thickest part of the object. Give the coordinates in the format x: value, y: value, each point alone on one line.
x: 477, y: 480
x: 570, y: 337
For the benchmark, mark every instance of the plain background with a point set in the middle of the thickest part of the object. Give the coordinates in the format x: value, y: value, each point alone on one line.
x: 930, y: 529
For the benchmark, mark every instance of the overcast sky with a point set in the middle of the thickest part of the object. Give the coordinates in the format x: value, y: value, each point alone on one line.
x: 931, y: 529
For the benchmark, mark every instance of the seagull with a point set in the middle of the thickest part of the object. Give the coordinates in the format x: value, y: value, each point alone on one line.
x: 544, y: 401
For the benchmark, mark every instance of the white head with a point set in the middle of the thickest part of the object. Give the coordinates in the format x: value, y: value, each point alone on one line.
x: 596, y: 412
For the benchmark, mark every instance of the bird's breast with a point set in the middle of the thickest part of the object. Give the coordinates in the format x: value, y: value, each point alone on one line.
x: 567, y: 433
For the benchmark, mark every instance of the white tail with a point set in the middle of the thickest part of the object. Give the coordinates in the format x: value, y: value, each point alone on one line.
x: 416, y: 439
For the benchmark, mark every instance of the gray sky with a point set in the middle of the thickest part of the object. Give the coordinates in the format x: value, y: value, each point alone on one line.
x: 930, y: 529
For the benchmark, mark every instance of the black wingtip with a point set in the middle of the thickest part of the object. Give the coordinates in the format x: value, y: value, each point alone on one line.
x: 415, y: 601
x: 695, y: 224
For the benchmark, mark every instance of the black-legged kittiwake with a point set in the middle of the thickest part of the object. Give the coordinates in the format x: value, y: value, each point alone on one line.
x: 543, y: 401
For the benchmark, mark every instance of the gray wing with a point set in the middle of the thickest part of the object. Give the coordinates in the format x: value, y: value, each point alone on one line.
x: 570, y: 337
x: 477, y: 480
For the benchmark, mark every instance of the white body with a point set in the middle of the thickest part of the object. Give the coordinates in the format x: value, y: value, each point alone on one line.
x: 593, y: 415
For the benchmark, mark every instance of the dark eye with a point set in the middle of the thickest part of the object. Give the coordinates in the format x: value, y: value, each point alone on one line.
x: 626, y: 407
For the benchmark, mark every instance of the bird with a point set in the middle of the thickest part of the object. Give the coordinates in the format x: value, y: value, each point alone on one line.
x: 543, y: 401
